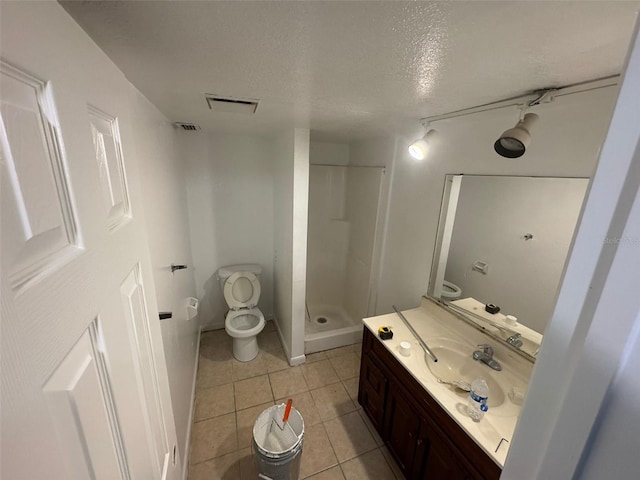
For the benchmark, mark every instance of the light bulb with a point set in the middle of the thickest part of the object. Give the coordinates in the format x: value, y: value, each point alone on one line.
x: 420, y: 148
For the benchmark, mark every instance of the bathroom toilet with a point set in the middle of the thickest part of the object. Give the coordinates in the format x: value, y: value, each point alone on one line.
x: 450, y: 291
x: 241, y: 287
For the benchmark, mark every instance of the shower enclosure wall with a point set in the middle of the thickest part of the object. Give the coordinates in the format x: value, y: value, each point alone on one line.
x: 341, y: 240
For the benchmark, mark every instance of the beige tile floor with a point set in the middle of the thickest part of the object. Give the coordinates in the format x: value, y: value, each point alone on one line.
x: 340, y: 442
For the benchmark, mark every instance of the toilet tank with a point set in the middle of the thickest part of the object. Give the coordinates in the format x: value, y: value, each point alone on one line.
x: 225, y: 272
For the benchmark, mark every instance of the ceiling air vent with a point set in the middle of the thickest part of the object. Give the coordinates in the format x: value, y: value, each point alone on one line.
x: 230, y: 104
x: 192, y: 127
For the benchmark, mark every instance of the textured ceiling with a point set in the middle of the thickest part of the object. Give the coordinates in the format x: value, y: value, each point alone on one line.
x: 350, y: 70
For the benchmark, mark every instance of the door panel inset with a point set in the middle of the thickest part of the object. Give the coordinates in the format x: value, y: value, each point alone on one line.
x: 105, y: 135
x: 79, y: 400
x: 137, y: 320
x: 40, y: 230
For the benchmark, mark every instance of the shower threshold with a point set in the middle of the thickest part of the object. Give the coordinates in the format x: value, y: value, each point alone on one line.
x: 340, y: 337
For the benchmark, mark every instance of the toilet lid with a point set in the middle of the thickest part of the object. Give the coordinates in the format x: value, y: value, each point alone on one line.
x: 242, y: 290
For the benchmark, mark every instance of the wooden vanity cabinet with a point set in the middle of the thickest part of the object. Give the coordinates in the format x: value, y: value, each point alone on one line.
x: 372, y: 391
x: 424, y: 440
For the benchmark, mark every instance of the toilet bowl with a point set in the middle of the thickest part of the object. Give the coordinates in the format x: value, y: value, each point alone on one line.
x: 244, y: 326
x: 244, y: 321
x: 450, y: 291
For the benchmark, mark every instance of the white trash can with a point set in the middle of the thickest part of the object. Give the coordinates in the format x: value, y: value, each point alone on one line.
x: 278, y: 453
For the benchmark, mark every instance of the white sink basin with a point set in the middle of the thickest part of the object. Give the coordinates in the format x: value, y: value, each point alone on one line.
x: 455, y: 363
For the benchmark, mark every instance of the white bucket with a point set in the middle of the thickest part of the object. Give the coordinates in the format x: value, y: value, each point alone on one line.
x: 278, y: 460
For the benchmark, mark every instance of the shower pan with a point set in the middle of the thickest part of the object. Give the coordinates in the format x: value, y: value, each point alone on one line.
x: 341, y: 240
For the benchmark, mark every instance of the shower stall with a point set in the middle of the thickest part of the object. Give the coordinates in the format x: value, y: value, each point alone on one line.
x: 342, y: 238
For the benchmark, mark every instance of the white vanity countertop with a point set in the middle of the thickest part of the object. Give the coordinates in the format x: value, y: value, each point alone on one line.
x: 433, y: 323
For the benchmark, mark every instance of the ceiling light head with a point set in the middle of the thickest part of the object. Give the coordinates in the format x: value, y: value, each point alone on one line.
x: 514, y: 142
x: 420, y: 148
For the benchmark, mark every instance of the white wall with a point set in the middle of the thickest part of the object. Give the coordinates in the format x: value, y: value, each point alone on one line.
x: 617, y: 429
x: 283, y: 239
x: 378, y: 152
x: 566, y: 142
x: 328, y: 232
x: 165, y: 206
x: 492, y: 217
x: 291, y: 187
x: 363, y: 191
x: 325, y: 153
x: 343, y: 214
x: 230, y: 199
x: 328, y: 236
x: 299, y: 254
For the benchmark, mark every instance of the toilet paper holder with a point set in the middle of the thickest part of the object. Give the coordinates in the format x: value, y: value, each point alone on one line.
x: 192, y: 307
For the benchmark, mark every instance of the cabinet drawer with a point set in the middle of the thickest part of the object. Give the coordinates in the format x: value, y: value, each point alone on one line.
x: 372, y: 391
x: 373, y: 377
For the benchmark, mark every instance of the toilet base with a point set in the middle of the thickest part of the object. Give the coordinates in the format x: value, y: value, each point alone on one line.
x: 245, y: 349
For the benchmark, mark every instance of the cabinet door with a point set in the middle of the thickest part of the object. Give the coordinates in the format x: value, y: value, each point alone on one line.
x: 401, y: 428
x: 434, y: 459
x: 372, y: 391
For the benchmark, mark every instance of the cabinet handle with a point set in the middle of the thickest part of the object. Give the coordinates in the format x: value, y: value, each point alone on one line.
x: 419, y: 442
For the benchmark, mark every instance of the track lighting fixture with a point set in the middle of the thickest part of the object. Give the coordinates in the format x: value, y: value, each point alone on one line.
x: 513, y: 142
x: 420, y: 147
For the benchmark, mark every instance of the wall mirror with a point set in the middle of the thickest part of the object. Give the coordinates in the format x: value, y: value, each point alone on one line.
x: 504, y: 241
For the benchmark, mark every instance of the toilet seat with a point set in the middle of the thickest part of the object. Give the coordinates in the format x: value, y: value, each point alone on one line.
x: 450, y: 290
x: 244, y: 323
x: 242, y: 290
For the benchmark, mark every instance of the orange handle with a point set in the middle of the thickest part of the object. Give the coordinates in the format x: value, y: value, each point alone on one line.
x: 287, y: 410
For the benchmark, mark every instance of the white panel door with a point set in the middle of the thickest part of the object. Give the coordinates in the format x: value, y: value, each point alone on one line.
x: 84, y: 382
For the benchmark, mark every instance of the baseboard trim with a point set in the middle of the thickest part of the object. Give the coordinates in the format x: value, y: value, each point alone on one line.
x: 293, y: 361
x: 299, y: 360
x: 212, y: 326
x: 187, y: 449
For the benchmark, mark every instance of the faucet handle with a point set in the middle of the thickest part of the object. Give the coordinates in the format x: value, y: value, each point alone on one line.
x: 487, y: 349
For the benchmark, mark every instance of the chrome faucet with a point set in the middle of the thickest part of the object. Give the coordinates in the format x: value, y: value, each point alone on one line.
x: 485, y: 355
x: 515, y: 340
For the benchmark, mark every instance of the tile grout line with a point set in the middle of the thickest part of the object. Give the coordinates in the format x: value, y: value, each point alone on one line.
x: 367, y: 421
x: 273, y: 396
x: 342, y: 470
x: 332, y: 449
x: 391, y: 467
x: 233, y: 388
x: 235, y: 414
x: 323, y: 470
x: 365, y: 426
